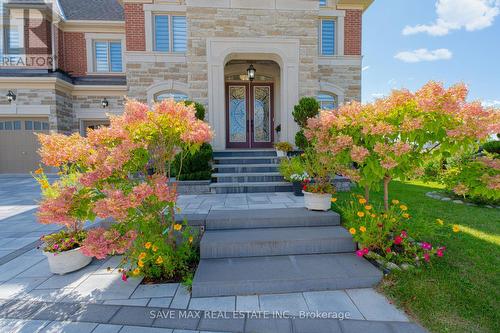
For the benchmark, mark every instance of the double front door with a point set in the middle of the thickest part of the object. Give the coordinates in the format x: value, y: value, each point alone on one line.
x: 249, y: 115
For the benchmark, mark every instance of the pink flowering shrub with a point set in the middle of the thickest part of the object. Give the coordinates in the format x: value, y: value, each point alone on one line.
x: 105, y: 175
x: 393, y: 137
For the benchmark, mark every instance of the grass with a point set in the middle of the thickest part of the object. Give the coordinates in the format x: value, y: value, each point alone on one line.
x: 461, y: 291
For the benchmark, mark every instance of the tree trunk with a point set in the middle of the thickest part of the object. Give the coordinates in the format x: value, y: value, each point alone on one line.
x: 367, y: 193
x: 387, y: 180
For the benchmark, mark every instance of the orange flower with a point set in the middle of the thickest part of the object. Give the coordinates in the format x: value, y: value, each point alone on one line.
x: 155, y: 248
x: 362, y: 201
x: 38, y: 171
x: 362, y: 229
x: 406, y: 215
x: 140, y: 263
x: 374, y: 215
x: 368, y: 207
x: 333, y: 200
x: 177, y: 227
x: 136, y: 271
x: 395, y: 202
x: 142, y: 255
x: 190, y: 239
x: 456, y: 228
x: 352, y: 231
x: 159, y: 261
x: 361, y: 214
x: 403, y: 207
x: 147, y: 245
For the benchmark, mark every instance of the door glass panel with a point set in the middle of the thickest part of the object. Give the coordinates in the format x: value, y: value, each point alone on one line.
x: 237, y: 114
x: 262, y: 114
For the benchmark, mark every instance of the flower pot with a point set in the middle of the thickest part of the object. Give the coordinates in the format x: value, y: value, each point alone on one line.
x: 67, y: 261
x: 297, y: 189
x: 281, y: 153
x: 317, y: 201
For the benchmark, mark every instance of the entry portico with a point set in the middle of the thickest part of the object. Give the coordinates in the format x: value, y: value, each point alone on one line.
x: 283, y: 52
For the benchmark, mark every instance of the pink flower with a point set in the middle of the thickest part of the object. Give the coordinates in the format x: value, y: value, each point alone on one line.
x: 365, y: 251
x: 124, y: 276
x: 461, y: 189
x: 404, y: 234
x: 398, y: 240
x: 388, y: 163
x: 426, y: 246
x: 401, y: 148
x: 359, y: 154
x: 359, y: 253
x: 388, y: 250
x: 58, y: 210
x: 59, y: 149
x: 427, y: 257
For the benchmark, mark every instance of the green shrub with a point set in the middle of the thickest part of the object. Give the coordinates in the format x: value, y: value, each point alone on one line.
x: 292, y: 166
x: 301, y: 140
x: 308, y: 107
x: 200, y: 109
x: 492, y: 147
x: 196, y: 166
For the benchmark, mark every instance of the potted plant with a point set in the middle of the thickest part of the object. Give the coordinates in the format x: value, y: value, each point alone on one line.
x: 292, y: 169
x: 282, y: 148
x: 65, y: 202
x: 298, y: 181
x: 318, y: 189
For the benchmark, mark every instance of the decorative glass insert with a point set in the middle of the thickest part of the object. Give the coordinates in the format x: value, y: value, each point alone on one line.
x: 262, y: 114
x: 178, y: 97
x: 237, y: 114
x: 108, y: 56
x: 328, y: 37
x: 327, y: 101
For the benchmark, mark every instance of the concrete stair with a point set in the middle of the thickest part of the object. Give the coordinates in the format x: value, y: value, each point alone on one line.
x: 278, y: 251
x: 247, y: 171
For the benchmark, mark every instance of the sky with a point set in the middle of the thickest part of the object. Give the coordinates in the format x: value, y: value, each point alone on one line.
x: 409, y: 42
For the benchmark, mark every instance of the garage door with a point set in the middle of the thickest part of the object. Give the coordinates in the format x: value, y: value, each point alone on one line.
x: 18, y: 144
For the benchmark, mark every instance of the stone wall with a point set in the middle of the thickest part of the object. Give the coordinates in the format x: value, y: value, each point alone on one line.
x: 348, y: 77
x: 64, y: 111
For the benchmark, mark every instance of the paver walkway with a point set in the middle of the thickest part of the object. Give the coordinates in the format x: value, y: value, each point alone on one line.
x: 32, y: 299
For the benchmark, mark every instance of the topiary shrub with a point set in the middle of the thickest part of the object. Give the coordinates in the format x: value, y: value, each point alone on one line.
x: 200, y: 109
x: 492, y: 147
x: 196, y: 166
x: 308, y: 107
x: 301, y: 140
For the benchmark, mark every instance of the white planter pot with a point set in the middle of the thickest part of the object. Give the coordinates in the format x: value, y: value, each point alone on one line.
x: 316, y: 201
x: 281, y: 153
x: 67, y: 261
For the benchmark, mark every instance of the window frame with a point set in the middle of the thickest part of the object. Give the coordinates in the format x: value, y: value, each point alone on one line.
x: 110, y: 66
x: 335, y: 36
x: 335, y: 98
x: 171, y: 37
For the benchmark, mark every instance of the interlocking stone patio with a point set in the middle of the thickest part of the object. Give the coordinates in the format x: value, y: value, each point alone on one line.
x: 112, y: 305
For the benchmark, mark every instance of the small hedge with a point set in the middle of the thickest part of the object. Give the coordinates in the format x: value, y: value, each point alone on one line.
x: 492, y: 147
x: 196, y: 166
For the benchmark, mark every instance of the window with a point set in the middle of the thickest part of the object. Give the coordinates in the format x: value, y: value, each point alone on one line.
x: 17, y: 125
x: 170, y: 33
x: 322, y: 3
x: 108, y: 56
x: 327, y: 101
x: 1, y: 126
x: 178, y: 97
x: 327, y: 34
x: 28, y: 125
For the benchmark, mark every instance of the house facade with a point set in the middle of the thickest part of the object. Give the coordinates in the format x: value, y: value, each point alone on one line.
x: 67, y: 64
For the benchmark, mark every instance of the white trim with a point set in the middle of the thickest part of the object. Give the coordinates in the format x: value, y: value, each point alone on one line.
x: 149, y: 11
x: 324, y: 12
x: 327, y: 87
x: 339, y: 61
x: 25, y: 110
x: 96, y: 114
x: 142, y: 56
x: 338, y: 17
x: 89, y: 45
x: 166, y: 86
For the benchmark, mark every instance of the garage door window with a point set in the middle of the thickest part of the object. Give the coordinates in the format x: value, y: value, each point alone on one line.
x: 1, y: 126
x: 28, y: 125
x: 17, y: 125
x: 8, y: 125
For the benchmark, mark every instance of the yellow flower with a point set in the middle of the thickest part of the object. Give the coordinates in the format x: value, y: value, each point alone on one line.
x: 190, y: 239
x: 385, y: 216
x: 136, y: 271
x: 44, y: 184
x: 393, y: 220
x: 147, y: 245
x: 352, y: 231
x: 362, y: 201
x: 439, y: 221
x: 395, y: 202
x: 368, y: 207
x: 403, y: 207
x: 142, y: 255
x: 159, y: 261
x: 333, y: 200
x: 140, y: 263
x: 456, y: 228
x: 362, y: 229
x: 177, y: 227
x: 361, y: 214
x: 155, y: 248
x: 374, y: 215
x: 406, y: 215
x: 38, y: 171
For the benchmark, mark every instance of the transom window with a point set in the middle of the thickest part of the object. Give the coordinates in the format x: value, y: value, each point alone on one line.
x: 327, y: 101
x: 108, y: 56
x: 170, y: 33
x: 177, y: 96
x: 327, y: 37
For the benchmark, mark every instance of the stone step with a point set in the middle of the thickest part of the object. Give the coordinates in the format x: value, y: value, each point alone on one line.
x: 283, y: 274
x: 243, y: 168
x: 256, y: 187
x: 244, y: 153
x: 247, y: 160
x: 248, y: 177
x: 269, y: 218
x: 275, y: 242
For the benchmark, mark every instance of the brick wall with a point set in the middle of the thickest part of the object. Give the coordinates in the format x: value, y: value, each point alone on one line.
x: 75, y: 53
x: 352, y: 41
x: 134, y: 27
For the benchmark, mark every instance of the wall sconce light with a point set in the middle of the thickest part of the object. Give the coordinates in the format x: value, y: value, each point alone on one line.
x: 11, y: 97
x: 251, y: 73
x: 104, y: 103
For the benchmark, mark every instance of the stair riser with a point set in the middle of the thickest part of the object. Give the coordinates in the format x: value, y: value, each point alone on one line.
x: 247, y: 189
x: 250, y: 153
x: 247, y: 161
x: 251, y: 179
x: 276, y: 248
x: 244, y: 169
x: 281, y: 286
x: 273, y: 222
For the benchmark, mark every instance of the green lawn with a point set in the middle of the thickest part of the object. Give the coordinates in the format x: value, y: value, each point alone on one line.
x: 461, y: 291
